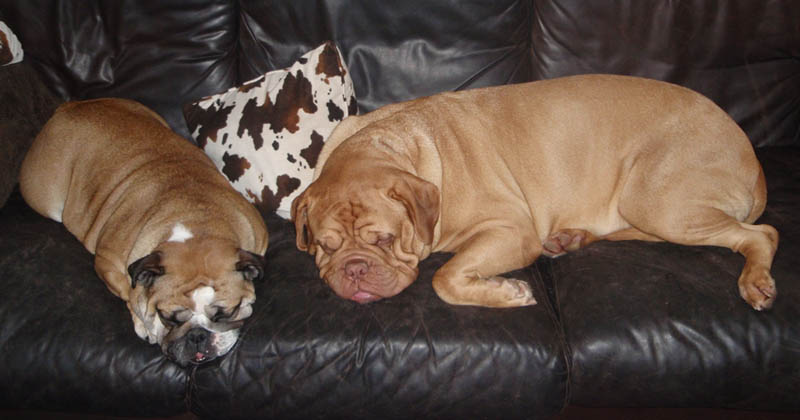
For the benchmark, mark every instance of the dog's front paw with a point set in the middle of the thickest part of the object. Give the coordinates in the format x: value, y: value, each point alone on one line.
x: 508, y: 293
x: 758, y: 288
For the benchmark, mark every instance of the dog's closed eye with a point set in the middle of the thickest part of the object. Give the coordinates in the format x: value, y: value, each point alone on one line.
x: 221, y: 315
x: 329, y: 244
x: 326, y: 249
x: 384, y: 239
x: 378, y: 238
x: 174, y: 318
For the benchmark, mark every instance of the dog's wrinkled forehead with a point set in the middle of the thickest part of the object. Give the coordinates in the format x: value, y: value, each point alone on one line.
x: 362, y: 211
x: 367, y: 210
x: 187, y: 264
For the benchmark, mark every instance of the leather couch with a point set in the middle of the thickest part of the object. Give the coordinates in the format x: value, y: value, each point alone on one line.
x: 626, y: 324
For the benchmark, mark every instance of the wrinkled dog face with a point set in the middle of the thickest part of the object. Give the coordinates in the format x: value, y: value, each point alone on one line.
x: 367, y: 238
x: 192, y: 297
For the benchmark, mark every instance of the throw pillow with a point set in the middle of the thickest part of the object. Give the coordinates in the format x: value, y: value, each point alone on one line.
x: 10, y: 48
x: 265, y: 135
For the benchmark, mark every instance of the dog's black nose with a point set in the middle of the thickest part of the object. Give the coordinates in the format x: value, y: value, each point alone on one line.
x: 197, y: 336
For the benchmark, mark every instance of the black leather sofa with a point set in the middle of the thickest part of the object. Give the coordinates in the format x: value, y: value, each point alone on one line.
x: 626, y: 324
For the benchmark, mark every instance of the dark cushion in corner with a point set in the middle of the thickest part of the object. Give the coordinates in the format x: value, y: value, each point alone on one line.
x: 307, y: 353
x: 68, y: 343
x: 658, y: 324
x: 25, y: 107
x: 162, y: 53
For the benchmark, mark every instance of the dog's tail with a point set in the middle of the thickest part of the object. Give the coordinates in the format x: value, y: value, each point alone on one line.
x: 25, y: 107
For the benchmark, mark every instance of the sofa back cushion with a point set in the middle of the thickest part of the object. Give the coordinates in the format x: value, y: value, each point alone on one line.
x: 743, y: 54
x: 395, y: 51
x: 161, y: 53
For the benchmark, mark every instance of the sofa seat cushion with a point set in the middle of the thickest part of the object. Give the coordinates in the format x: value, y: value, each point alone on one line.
x: 68, y: 343
x: 658, y: 324
x: 307, y: 353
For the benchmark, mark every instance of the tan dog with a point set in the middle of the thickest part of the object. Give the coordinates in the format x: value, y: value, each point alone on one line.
x: 170, y: 236
x: 501, y: 175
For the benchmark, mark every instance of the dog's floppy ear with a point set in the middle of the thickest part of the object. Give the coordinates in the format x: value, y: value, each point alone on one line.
x: 145, y: 270
x: 421, y: 200
x: 251, y: 265
x: 300, y: 218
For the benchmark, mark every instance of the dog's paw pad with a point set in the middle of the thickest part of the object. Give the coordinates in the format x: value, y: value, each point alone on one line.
x: 511, y: 292
x: 758, y: 289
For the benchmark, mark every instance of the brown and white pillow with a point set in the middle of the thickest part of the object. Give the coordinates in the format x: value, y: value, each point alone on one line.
x: 10, y: 48
x: 265, y: 135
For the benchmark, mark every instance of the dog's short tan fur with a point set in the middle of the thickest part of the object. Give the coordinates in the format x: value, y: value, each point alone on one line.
x: 123, y: 183
x: 501, y: 175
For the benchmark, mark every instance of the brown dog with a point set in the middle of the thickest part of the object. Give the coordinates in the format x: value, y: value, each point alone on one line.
x: 501, y: 175
x: 170, y: 236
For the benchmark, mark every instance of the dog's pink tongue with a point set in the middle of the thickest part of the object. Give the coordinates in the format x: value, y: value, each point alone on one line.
x: 364, y: 297
x: 199, y: 356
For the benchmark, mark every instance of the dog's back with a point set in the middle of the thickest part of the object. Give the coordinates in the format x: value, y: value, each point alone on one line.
x: 61, y: 151
x: 94, y: 156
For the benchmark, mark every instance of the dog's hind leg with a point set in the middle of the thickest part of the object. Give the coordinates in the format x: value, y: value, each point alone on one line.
x: 700, y: 213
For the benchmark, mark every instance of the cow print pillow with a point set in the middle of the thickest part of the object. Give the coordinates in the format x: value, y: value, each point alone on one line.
x: 266, y: 135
